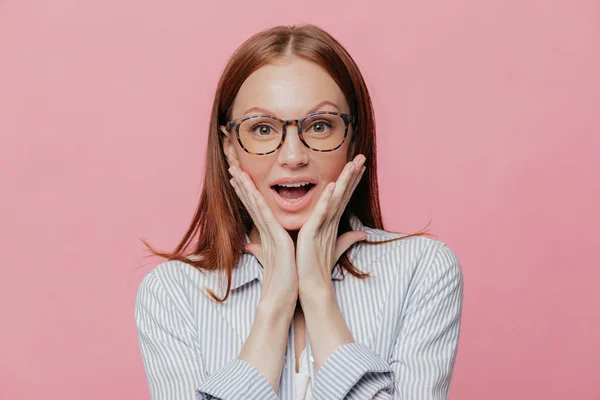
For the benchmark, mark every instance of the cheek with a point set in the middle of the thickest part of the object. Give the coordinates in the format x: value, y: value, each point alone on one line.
x: 332, y: 169
x: 331, y: 165
x: 257, y: 169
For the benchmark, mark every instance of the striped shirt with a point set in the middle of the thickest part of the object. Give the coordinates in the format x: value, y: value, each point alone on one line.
x: 405, y: 321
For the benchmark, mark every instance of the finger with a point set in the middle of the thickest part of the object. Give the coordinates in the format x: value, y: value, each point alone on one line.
x: 252, y: 194
x: 264, y: 215
x: 359, y: 160
x: 243, y: 191
x: 345, y: 180
x: 359, y: 163
x: 342, y: 182
x: 239, y: 192
x: 346, y: 240
x: 360, y: 168
x: 237, y: 184
x: 267, y: 214
x: 322, y: 207
x: 348, y: 194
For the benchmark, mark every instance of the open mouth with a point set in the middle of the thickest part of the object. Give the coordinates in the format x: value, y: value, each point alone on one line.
x: 294, y: 191
x: 293, y: 195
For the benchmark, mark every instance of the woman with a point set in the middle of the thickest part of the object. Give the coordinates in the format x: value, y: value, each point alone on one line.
x: 320, y: 302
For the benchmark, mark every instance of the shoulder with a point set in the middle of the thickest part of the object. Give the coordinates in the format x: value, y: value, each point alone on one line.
x: 417, y: 257
x: 174, y: 281
x: 413, y: 247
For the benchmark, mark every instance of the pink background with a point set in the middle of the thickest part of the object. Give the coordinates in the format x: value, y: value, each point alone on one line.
x: 488, y: 123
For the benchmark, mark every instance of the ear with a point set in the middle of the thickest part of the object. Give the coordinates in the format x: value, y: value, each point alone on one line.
x: 229, y: 148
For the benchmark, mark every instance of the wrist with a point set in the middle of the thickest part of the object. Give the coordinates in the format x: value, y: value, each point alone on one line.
x: 275, y: 311
x: 316, y: 296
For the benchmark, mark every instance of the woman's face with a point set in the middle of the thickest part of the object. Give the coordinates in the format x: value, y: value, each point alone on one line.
x: 289, y: 89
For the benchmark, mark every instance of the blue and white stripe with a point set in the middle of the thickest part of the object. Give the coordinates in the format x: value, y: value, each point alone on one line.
x: 405, y: 320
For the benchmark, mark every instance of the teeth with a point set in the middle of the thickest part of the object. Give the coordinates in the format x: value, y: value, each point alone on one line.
x: 299, y: 184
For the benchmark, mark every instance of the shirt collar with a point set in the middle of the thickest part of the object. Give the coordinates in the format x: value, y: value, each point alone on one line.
x: 248, y: 267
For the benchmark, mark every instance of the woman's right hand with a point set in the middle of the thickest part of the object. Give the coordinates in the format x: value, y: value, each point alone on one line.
x: 275, y: 252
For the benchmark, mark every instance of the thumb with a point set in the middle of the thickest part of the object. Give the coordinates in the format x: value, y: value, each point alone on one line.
x: 346, y: 240
x: 254, y: 249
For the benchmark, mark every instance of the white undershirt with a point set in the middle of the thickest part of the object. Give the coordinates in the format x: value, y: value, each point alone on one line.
x: 302, y: 379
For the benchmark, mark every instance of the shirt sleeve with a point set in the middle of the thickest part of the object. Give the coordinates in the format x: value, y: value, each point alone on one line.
x: 422, y: 358
x: 172, y: 360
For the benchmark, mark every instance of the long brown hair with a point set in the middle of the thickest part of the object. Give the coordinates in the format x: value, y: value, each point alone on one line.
x: 215, y: 238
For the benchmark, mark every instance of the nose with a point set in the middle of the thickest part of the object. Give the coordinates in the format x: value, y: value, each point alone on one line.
x: 293, y: 153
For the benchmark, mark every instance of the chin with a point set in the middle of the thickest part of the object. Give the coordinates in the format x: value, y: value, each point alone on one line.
x: 292, y: 222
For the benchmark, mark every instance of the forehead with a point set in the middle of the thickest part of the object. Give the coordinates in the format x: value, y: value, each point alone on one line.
x: 289, y: 89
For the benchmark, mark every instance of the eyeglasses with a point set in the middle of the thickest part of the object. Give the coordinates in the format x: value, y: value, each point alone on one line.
x: 320, y: 131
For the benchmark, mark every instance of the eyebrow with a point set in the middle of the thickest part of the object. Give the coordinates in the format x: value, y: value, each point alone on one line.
x: 315, y: 108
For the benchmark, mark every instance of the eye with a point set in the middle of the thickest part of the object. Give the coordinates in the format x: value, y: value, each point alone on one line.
x: 320, y: 126
x: 263, y: 130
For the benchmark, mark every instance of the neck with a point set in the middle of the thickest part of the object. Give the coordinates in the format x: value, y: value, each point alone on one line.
x: 254, y: 235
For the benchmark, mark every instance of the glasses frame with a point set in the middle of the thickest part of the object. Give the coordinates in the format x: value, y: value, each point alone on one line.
x: 347, y: 118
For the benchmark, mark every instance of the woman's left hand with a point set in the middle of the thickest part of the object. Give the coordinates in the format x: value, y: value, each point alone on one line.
x: 318, y: 248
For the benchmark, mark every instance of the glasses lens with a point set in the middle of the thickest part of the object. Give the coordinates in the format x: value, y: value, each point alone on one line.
x: 261, y: 134
x: 323, y: 131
